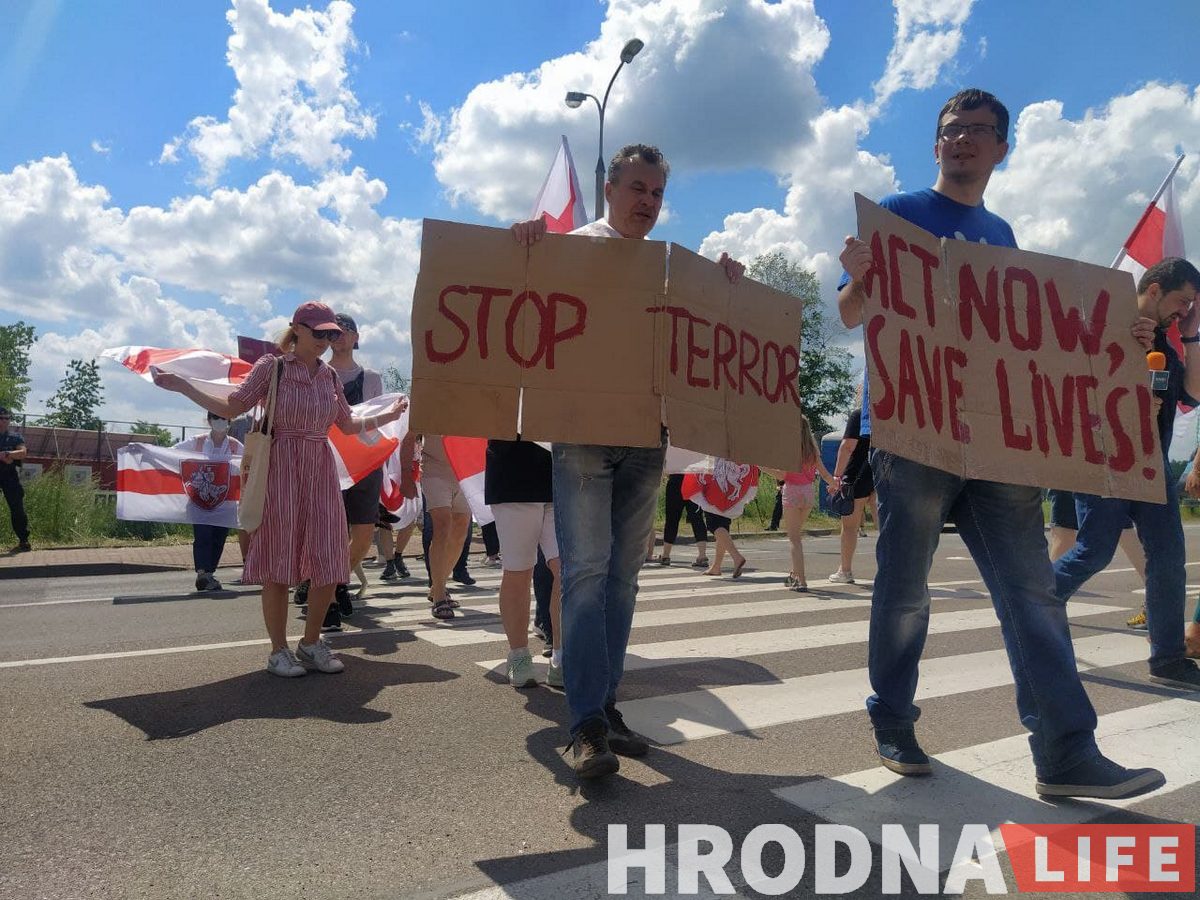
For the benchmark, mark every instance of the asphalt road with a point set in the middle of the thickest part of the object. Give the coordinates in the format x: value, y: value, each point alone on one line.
x: 146, y: 753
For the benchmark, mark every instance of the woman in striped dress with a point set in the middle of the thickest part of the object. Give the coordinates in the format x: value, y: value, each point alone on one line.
x: 303, y: 530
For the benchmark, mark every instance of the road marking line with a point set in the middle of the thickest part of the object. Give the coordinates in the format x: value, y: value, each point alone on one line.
x: 676, y: 718
x: 653, y: 618
x: 994, y: 782
x: 791, y: 640
x: 164, y: 651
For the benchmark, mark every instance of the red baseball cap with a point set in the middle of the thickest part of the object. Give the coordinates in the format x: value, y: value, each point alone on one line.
x: 315, y: 315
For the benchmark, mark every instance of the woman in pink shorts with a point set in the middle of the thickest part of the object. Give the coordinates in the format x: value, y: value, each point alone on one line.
x: 799, y: 497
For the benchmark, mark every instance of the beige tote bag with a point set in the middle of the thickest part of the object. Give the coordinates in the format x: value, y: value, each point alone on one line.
x: 256, y: 460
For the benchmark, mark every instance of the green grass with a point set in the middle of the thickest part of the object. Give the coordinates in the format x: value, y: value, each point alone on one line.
x: 62, y: 514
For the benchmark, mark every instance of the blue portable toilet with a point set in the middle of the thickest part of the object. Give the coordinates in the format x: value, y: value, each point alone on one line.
x: 829, y: 452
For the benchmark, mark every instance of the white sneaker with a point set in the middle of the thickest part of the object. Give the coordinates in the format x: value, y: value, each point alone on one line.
x: 318, y: 656
x: 840, y: 577
x: 493, y: 562
x: 520, y: 670
x: 284, y: 664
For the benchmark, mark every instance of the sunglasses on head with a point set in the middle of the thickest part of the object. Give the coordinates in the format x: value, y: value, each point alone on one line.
x: 324, y: 334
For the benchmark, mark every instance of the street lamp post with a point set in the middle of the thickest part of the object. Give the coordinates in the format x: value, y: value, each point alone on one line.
x: 575, y: 100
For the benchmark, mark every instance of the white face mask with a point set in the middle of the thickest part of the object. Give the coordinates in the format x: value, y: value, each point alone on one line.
x: 220, y: 426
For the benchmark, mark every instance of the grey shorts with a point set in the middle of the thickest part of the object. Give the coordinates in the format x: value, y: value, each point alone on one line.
x: 362, y: 500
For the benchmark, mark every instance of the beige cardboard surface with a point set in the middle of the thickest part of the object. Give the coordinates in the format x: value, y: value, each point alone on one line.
x: 587, y: 339
x: 730, y: 365
x: 1006, y: 365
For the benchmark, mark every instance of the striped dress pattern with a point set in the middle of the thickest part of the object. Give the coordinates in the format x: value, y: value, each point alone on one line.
x: 303, y: 533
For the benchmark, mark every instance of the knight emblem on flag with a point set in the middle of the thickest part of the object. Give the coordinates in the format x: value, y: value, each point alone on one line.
x: 205, y: 481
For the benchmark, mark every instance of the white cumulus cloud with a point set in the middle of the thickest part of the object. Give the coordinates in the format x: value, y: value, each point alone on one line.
x: 720, y: 84
x: 1076, y: 187
x: 292, y: 98
x: 928, y: 37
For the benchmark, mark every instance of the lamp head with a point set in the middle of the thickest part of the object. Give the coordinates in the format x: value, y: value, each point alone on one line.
x: 630, y: 50
x: 574, y: 99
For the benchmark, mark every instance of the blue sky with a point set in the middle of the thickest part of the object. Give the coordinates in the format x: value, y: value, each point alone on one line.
x: 772, y: 114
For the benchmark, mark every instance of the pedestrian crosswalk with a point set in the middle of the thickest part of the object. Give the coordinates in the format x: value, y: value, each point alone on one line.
x: 685, y: 618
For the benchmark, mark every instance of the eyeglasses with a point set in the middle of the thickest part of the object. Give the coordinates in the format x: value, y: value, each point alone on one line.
x: 954, y: 131
x: 323, y: 334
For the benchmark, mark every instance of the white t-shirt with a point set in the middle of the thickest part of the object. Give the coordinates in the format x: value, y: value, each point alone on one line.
x: 372, y: 380
x: 599, y: 228
x: 203, y: 443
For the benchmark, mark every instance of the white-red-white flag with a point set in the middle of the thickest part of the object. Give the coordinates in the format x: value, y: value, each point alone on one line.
x: 725, y: 491
x: 1158, y: 234
x: 468, y: 457
x: 163, y: 484
x: 218, y: 374
x: 560, y: 201
x: 214, y: 373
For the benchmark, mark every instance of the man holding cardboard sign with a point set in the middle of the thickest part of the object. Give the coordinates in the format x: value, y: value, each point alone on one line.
x: 1000, y: 523
x: 1166, y: 294
x: 604, y: 499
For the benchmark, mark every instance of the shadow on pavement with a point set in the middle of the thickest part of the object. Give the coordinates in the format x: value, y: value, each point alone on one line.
x: 259, y: 695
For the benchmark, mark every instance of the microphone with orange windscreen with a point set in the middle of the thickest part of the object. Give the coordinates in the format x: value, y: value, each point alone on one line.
x: 1160, y: 379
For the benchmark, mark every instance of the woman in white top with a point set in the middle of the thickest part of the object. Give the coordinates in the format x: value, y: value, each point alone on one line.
x: 208, y: 541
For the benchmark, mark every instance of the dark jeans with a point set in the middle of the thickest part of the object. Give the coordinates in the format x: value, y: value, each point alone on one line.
x: 14, y: 494
x: 604, y: 500
x: 1001, y: 524
x: 543, y: 587
x: 676, y: 506
x: 1101, y: 521
x: 777, y: 512
x: 208, y: 543
x: 491, y: 540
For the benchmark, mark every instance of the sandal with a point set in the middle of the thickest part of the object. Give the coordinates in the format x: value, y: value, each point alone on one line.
x: 702, y: 563
x: 664, y: 560
x: 443, y: 610
x: 737, y: 570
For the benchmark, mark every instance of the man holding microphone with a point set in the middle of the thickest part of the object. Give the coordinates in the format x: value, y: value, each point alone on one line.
x: 1166, y: 294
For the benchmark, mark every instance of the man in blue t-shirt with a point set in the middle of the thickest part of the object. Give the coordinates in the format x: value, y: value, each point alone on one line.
x: 1001, y: 524
x: 1166, y: 294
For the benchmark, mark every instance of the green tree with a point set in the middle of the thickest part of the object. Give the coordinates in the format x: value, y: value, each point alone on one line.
x: 15, y: 341
x: 394, y: 382
x: 826, y: 382
x: 78, y: 396
x: 161, y: 436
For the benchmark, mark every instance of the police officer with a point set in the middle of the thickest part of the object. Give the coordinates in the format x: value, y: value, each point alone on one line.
x: 12, y: 451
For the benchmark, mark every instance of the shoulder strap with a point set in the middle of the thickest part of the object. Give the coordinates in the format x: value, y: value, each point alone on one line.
x: 269, y: 411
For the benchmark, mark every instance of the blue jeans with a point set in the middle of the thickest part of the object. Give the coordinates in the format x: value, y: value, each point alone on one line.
x: 1101, y: 520
x: 1002, y: 527
x: 604, y: 500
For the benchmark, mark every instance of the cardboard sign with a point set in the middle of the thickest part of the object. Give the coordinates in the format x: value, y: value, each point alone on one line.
x: 582, y: 340
x: 1006, y: 365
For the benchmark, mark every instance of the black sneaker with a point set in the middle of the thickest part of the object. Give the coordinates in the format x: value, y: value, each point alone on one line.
x: 341, y: 596
x: 593, y: 758
x: 333, y: 619
x: 200, y: 580
x: 623, y: 739
x: 206, y: 581
x: 301, y: 596
x: 22, y: 547
x: 1182, y: 674
x: 401, y: 568
x: 1101, y: 778
x: 389, y: 571
x: 462, y: 576
x: 900, y: 752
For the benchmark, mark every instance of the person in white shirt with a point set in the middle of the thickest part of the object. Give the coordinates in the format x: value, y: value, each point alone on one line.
x: 208, y: 541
